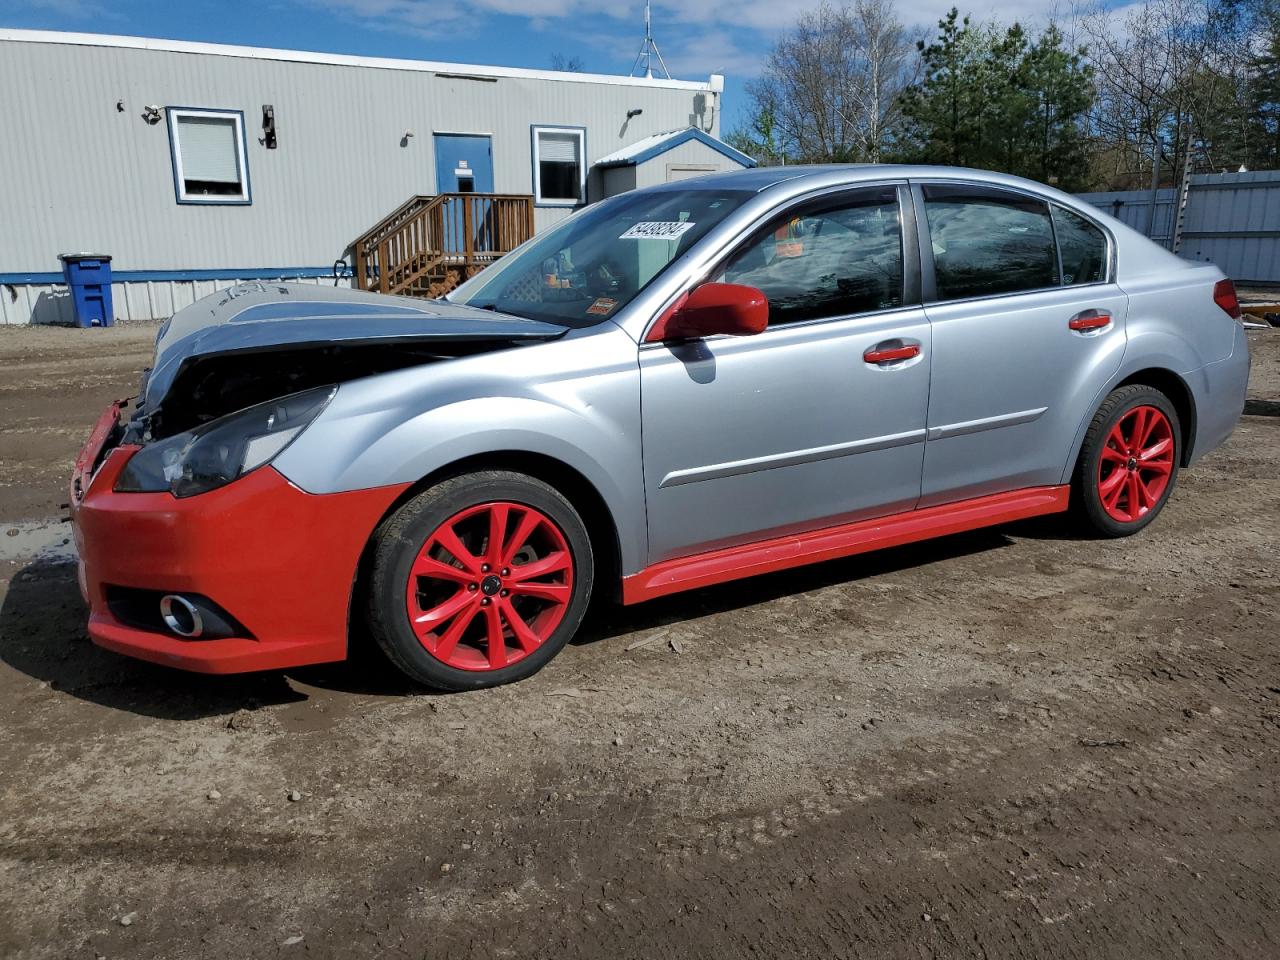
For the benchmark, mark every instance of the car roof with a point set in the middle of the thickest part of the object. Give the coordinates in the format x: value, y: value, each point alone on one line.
x: 803, y: 177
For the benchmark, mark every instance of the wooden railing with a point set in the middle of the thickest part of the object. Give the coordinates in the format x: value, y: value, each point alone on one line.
x: 429, y: 245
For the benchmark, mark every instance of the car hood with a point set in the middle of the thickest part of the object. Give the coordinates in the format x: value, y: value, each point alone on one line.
x: 258, y: 317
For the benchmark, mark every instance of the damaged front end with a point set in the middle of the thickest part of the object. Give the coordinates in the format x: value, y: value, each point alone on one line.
x: 238, y: 375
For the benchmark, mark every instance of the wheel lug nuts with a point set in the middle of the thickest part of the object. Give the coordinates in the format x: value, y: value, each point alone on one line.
x: 506, y: 572
x: 484, y: 602
x: 504, y: 593
x: 484, y: 568
x: 473, y: 587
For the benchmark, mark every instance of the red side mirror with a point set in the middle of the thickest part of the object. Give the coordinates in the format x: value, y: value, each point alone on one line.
x: 713, y: 308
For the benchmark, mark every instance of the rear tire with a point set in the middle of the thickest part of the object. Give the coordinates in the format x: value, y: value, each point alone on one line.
x: 1128, y: 463
x: 479, y: 580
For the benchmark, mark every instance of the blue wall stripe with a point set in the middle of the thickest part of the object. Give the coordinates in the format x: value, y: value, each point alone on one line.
x: 142, y: 276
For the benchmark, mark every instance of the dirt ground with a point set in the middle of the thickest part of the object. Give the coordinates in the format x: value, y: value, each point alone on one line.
x: 1011, y: 743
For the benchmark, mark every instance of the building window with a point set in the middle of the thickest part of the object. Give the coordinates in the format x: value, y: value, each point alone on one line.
x: 559, y: 166
x: 209, y: 161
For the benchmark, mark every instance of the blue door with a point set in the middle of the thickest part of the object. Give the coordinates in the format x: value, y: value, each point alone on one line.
x: 464, y: 163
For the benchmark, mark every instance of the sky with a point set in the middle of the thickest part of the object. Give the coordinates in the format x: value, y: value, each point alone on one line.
x: 696, y: 39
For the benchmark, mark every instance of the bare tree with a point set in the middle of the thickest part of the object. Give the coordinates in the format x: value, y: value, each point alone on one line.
x: 830, y: 87
x: 566, y: 64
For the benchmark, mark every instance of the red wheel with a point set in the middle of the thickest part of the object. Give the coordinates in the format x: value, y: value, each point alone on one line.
x: 1129, y: 461
x: 479, y: 580
x: 1135, y: 464
x: 490, y: 586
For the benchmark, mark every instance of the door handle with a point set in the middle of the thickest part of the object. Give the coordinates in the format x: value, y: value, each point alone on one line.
x: 1089, y: 320
x: 886, y: 354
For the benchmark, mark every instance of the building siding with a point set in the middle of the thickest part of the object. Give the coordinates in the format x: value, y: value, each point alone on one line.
x: 79, y: 175
x: 1232, y: 220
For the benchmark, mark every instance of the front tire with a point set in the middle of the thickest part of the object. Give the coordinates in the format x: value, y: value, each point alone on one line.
x: 1129, y: 461
x: 479, y: 580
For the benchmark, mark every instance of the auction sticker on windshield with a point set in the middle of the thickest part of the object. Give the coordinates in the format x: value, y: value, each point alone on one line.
x: 658, y: 230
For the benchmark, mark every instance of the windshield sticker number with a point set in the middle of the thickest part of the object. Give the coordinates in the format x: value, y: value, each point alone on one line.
x: 658, y: 230
x: 602, y: 307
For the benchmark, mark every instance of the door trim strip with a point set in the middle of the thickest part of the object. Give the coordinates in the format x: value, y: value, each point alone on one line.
x: 966, y: 427
x: 772, y: 461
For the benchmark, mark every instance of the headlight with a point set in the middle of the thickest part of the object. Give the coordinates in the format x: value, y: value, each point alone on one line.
x: 213, y: 455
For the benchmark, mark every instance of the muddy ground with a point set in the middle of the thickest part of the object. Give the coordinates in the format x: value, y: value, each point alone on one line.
x: 1010, y: 743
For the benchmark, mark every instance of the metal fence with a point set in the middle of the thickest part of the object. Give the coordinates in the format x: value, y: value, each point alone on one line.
x: 1232, y: 219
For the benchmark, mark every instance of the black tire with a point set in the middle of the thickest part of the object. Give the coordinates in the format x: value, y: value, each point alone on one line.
x: 1087, y: 500
x: 402, y: 537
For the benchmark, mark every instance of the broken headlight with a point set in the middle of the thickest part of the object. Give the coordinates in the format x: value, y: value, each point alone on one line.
x: 216, y: 453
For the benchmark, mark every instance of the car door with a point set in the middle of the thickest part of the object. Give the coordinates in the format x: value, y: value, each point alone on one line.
x: 1026, y: 330
x: 805, y: 425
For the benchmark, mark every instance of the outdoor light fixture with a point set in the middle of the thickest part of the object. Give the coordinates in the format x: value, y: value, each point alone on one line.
x: 151, y: 113
x: 269, y: 126
x: 634, y: 112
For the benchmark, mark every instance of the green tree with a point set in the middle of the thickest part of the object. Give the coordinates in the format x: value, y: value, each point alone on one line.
x: 999, y: 100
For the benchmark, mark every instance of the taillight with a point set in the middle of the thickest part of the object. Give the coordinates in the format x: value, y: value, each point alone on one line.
x: 1224, y: 295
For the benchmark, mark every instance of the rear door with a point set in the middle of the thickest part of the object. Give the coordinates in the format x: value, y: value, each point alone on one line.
x: 1027, y: 326
x: 799, y: 427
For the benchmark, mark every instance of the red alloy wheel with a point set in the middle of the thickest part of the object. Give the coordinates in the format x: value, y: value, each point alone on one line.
x: 1136, y: 463
x: 490, y: 586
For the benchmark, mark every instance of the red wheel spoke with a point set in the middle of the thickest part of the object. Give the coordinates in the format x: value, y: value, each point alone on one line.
x: 1162, y: 467
x: 528, y: 524
x: 1138, y: 428
x: 426, y: 566
x: 495, y: 637
x: 449, y: 540
x: 1113, y: 455
x: 497, y: 534
x: 527, y: 639
x: 557, y: 592
x: 551, y: 563
x: 439, y: 614
x: 1114, y: 482
x: 1117, y: 439
x: 1135, y: 501
x: 448, y: 641
x: 1157, y: 450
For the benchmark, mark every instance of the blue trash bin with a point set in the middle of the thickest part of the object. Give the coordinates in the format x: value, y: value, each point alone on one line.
x: 88, y: 276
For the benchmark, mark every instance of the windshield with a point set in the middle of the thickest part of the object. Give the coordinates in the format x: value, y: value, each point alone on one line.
x: 592, y: 265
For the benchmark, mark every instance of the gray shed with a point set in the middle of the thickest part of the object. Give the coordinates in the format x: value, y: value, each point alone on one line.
x: 662, y: 158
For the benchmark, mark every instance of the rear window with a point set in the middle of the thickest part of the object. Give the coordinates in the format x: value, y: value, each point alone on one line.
x: 988, y: 242
x: 1083, y: 247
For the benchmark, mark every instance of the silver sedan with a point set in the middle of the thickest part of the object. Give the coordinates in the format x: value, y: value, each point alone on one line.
x: 673, y: 388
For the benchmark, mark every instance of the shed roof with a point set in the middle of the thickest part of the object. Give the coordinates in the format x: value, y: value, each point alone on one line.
x: 659, y: 143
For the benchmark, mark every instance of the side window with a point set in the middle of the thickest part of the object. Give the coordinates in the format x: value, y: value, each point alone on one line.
x: 988, y: 242
x: 840, y: 258
x: 559, y: 173
x: 1083, y: 247
x: 209, y: 163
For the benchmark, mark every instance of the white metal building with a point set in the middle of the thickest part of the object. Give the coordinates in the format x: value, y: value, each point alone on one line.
x: 196, y: 165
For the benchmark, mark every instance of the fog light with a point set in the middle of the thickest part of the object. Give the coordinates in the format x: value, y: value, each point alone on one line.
x: 181, y: 615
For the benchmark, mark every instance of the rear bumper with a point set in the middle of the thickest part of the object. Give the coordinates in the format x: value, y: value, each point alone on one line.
x: 281, y: 561
x: 1220, y: 389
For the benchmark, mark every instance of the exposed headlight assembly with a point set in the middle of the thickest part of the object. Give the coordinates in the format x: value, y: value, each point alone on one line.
x: 213, y: 455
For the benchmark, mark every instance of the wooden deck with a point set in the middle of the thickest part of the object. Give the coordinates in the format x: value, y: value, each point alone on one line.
x: 430, y: 244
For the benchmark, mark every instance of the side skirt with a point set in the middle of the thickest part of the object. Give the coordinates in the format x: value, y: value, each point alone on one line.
x: 782, y: 553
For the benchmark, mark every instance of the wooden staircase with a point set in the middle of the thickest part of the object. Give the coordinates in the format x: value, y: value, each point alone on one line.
x: 430, y: 244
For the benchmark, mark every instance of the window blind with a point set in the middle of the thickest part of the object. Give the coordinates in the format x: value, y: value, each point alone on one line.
x: 209, y: 149
x: 558, y: 147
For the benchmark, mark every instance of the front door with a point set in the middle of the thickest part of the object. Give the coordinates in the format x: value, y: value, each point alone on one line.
x: 464, y: 163
x: 805, y: 425
x: 1027, y: 329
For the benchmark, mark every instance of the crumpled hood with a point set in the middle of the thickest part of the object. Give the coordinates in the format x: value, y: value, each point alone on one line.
x: 260, y: 316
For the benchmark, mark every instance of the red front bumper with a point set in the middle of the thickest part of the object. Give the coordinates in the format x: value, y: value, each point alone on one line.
x: 281, y: 561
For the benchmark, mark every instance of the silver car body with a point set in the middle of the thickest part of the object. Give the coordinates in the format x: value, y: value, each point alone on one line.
x: 712, y: 443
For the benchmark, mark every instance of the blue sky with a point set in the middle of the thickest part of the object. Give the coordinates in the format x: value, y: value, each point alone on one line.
x: 696, y: 39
